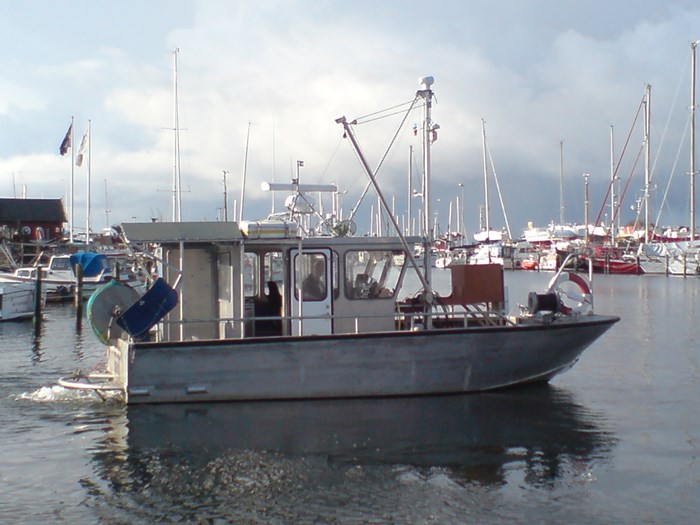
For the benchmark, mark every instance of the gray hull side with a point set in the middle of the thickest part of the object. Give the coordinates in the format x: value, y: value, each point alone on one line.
x: 367, y: 365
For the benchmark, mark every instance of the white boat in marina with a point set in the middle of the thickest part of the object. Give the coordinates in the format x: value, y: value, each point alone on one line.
x: 670, y: 258
x: 17, y: 301
x: 58, y: 278
x: 502, y: 253
x: 334, y: 325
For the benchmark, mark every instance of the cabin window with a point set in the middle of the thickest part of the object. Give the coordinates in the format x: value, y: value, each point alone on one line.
x: 251, y: 272
x: 274, y: 268
x: 273, y: 272
x: 60, y: 263
x: 311, y: 271
x: 373, y: 274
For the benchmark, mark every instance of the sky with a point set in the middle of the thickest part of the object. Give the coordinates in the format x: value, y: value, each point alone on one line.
x: 554, y: 87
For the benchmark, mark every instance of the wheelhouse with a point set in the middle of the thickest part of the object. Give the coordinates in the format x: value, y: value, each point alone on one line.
x: 236, y: 285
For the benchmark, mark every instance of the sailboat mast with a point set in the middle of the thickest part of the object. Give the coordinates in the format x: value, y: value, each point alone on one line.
x: 71, y: 226
x: 693, y: 46
x: 177, y: 187
x: 486, y: 179
x: 561, y: 182
x: 245, y: 173
x: 107, y: 210
x: 585, y: 205
x: 410, y: 189
x: 613, y: 197
x: 647, y: 161
x: 89, y: 177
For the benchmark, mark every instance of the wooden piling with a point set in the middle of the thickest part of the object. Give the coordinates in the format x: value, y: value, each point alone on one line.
x: 38, y: 303
x: 78, y: 293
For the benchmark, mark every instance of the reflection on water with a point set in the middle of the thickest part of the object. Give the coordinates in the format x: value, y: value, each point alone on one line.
x: 617, y: 444
x: 246, y: 453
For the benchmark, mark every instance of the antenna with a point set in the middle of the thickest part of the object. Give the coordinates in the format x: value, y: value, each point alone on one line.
x: 225, y: 198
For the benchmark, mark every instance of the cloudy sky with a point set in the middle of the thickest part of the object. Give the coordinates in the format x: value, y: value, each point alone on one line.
x: 552, y: 80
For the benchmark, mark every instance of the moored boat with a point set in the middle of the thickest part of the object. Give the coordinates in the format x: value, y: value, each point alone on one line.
x: 58, y: 277
x: 17, y: 301
x: 529, y: 264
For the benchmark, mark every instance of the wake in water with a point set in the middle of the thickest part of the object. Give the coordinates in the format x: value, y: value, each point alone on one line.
x: 59, y: 394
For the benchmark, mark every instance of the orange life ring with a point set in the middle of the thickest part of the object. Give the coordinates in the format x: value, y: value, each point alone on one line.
x: 574, y: 291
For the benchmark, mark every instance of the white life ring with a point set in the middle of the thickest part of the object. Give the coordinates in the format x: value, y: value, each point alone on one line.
x: 574, y: 291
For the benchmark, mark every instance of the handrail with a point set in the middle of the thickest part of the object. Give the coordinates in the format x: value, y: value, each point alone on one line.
x: 397, y: 315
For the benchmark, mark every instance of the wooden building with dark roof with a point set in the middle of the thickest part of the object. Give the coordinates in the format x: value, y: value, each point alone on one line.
x: 32, y: 219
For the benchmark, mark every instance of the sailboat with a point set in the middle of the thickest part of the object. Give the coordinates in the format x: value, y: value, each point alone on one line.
x: 199, y: 334
x: 674, y: 254
x: 494, y: 246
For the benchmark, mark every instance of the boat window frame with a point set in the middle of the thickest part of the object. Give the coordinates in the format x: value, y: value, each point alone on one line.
x: 310, y: 260
x: 375, y: 284
x: 254, y: 272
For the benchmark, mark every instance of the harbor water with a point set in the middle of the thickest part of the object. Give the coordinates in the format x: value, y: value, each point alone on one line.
x: 614, y: 440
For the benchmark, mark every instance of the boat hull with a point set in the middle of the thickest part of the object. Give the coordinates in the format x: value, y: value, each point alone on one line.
x: 16, y: 301
x: 352, y: 365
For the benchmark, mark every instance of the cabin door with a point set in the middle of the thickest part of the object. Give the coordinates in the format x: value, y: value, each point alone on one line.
x: 312, y: 292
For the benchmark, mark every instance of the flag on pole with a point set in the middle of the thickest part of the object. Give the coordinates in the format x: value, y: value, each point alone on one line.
x: 82, y: 149
x: 65, y: 145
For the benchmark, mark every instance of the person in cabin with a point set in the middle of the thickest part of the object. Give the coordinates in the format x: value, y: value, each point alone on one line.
x: 274, y: 299
x: 313, y: 287
x: 266, y: 306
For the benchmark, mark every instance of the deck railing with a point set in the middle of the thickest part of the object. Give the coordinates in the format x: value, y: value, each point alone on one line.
x: 403, y: 320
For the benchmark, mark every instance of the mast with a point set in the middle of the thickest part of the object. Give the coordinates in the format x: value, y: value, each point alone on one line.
x: 693, y: 47
x: 410, y: 188
x: 561, y: 182
x: 225, y: 198
x: 429, y: 136
x: 486, y: 180
x: 89, y: 177
x: 177, y: 186
x: 423, y: 277
x: 107, y: 210
x: 647, y: 161
x: 585, y: 204
x: 613, y: 204
x: 245, y: 172
x: 72, y: 181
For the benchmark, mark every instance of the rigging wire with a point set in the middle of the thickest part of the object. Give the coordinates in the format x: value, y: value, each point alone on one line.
x: 381, y: 162
x: 381, y: 112
x: 498, y: 190
x: 673, y: 171
x: 330, y: 160
x: 617, y: 167
x: 681, y: 79
x: 656, y: 159
x: 629, y: 179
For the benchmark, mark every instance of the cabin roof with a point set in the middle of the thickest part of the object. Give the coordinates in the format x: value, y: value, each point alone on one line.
x: 32, y: 210
x: 190, y: 232
x: 208, y: 232
x: 345, y: 243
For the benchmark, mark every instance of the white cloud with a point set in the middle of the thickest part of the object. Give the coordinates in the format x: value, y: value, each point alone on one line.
x: 537, y: 74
